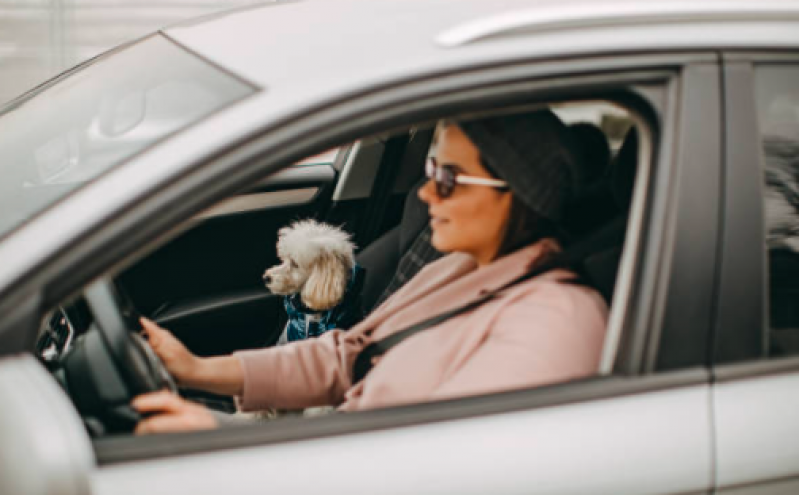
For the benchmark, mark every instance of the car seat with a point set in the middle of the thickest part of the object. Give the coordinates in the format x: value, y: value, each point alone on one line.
x: 600, y: 252
x: 396, y: 256
x: 594, y: 204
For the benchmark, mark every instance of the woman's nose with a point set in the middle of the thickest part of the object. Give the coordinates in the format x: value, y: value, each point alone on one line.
x: 427, y: 192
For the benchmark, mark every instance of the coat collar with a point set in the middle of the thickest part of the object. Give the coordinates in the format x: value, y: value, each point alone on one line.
x: 456, y: 279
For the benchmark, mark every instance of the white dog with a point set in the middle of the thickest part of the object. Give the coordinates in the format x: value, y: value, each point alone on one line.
x: 319, y: 277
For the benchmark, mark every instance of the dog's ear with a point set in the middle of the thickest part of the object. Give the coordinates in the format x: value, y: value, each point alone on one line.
x: 326, y: 284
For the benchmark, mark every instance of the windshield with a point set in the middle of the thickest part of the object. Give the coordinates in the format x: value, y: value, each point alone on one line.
x: 67, y: 133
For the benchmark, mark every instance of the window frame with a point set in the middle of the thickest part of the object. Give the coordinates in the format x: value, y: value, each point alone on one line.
x: 742, y: 322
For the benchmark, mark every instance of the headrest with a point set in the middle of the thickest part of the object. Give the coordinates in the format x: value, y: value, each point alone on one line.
x: 593, y: 155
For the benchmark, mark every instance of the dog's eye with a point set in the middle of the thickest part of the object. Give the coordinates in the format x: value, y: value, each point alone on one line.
x: 293, y: 264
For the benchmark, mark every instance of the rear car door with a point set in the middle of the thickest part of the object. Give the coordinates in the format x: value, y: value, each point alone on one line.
x: 756, y: 370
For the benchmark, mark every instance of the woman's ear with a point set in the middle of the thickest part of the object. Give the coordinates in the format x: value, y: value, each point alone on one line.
x: 326, y: 284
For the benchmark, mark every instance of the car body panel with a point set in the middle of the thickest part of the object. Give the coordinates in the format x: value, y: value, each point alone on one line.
x: 51, y: 452
x: 409, y: 40
x: 578, y: 448
x: 691, y: 221
x: 741, y: 313
x: 753, y: 400
x: 755, y: 422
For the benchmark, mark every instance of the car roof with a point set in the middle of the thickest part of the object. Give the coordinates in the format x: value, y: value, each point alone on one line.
x: 305, y: 40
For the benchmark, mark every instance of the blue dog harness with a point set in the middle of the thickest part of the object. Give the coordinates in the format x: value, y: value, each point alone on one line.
x: 305, y: 323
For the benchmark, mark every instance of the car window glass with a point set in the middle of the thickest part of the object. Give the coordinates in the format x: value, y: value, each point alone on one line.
x: 67, y: 133
x: 777, y: 91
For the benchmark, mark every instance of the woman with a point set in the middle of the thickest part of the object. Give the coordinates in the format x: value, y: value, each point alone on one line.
x: 496, y: 191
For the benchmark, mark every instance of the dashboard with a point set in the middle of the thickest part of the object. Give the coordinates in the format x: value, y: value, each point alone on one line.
x: 60, y: 330
x: 78, y: 348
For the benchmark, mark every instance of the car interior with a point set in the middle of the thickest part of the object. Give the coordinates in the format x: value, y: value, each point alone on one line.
x: 205, y: 284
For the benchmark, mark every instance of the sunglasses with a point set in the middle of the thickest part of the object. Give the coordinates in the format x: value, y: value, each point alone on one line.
x: 447, y: 176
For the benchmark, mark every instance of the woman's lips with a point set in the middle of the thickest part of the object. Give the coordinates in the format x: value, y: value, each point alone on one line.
x: 437, y: 221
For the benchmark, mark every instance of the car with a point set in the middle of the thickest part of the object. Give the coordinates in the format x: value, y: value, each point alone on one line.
x: 153, y: 180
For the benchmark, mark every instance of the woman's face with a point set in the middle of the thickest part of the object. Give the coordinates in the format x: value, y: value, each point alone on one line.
x: 473, y: 218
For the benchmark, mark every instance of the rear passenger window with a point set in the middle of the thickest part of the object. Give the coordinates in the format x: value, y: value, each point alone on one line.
x: 777, y: 91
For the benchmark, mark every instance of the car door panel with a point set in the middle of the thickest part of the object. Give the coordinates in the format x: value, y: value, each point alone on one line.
x: 224, y: 323
x: 756, y: 422
x: 756, y: 409
x: 633, y: 442
x: 656, y: 442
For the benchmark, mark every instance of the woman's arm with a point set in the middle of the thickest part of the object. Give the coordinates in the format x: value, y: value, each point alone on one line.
x: 314, y: 372
x: 220, y: 375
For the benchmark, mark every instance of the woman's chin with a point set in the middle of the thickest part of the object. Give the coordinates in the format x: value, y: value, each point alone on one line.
x: 439, y: 242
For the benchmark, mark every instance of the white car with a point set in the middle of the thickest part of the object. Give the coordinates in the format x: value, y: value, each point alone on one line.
x: 156, y: 176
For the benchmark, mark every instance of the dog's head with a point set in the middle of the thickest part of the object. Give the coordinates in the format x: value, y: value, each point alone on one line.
x: 316, y: 262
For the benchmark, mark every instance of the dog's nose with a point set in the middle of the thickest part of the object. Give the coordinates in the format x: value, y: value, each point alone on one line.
x: 267, y: 278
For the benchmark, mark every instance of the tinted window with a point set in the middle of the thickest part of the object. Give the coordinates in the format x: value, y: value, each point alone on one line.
x: 778, y: 112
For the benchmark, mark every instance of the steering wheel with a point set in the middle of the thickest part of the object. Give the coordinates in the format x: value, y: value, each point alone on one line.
x: 117, y: 321
x: 111, y: 363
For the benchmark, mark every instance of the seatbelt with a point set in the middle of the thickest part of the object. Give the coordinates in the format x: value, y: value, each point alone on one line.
x: 363, y: 363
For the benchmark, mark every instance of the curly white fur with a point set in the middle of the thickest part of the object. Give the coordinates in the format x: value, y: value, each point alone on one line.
x: 316, y: 262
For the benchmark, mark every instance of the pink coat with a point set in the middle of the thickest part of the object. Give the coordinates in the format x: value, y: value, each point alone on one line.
x: 538, y: 332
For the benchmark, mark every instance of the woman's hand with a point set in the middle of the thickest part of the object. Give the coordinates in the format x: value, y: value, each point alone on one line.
x: 221, y: 375
x: 169, y: 413
x: 179, y: 361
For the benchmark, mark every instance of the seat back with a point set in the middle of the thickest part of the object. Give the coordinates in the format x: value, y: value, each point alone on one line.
x: 593, y: 204
x: 398, y: 255
x: 603, y: 249
x: 394, y: 257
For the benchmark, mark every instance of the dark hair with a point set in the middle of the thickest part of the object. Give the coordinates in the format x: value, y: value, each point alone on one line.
x: 525, y: 226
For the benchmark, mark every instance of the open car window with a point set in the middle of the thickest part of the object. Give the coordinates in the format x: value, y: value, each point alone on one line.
x: 604, y: 142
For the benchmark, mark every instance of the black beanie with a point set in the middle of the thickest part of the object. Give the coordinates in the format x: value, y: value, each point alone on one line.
x: 532, y: 152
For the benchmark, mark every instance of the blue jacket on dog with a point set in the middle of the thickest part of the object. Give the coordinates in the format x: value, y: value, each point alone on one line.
x: 304, y: 323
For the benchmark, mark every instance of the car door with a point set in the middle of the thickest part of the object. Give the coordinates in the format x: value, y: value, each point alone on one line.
x: 642, y: 426
x: 756, y: 371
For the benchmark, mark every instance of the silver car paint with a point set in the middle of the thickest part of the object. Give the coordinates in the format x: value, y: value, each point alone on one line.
x: 46, y: 450
x: 398, y: 33
x: 614, y: 14
x: 757, y: 420
x: 648, y: 443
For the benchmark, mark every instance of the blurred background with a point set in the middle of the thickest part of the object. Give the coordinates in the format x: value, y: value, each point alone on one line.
x: 40, y: 38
